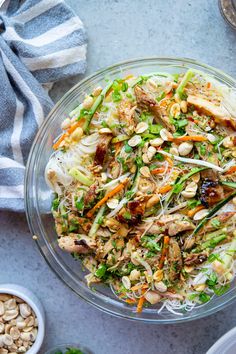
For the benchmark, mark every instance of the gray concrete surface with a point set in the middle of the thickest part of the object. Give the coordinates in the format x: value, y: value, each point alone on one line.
x: 119, y: 30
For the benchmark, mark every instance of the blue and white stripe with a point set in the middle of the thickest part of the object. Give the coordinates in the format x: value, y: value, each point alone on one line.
x: 42, y: 41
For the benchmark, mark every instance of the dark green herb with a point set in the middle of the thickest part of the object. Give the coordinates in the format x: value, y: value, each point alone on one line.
x: 203, y: 297
x: 212, y: 281
x: 101, y: 271
x: 124, y: 86
x: 221, y: 290
x: 80, y: 204
x: 150, y: 243
x: 73, y: 351
x: 55, y: 203
x: 159, y: 157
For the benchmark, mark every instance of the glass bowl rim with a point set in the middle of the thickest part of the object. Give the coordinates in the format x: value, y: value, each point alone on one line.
x: 176, y: 61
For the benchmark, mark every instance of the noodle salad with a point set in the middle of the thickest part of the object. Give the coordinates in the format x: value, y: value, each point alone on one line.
x: 144, y: 176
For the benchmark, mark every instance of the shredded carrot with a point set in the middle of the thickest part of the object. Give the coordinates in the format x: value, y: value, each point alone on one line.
x: 192, y: 212
x: 189, y: 138
x: 165, y: 189
x: 130, y: 301
x: 230, y: 170
x: 109, y: 195
x: 208, y: 85
x: 118, y: 147
x: 157, y: 171
x: 140, y: 286
x: 59, y: 141
x: 66, y: 134
x: 169, y: 95
x: 164, y: 251
x: 140, y: 304
x: 169, y: 160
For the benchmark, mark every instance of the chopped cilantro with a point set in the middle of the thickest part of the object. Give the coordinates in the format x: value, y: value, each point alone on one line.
x: 192, y: 203
x: 101, y: 271
x: 104, y: 108
x: 203, y: 150
x: 80, y: 203
x: 159, y: 157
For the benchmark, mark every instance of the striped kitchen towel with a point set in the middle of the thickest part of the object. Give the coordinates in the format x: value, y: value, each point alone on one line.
x: 41, y: 41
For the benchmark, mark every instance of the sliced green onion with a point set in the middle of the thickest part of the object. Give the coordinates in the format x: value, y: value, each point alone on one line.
x: 96, y: 223
x: 79, y: 176
x: 95, y: 106
x: 180, y: 89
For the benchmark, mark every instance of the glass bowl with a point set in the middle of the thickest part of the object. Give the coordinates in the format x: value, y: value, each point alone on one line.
x: 38, y: 196
x: 62, y: 348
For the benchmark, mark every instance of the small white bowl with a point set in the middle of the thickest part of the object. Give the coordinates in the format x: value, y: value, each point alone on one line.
x: 35, y: 304
x: 226, y: 344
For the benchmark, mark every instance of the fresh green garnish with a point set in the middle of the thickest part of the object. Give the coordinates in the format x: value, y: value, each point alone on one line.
x: 80, y: 203
x: 202, y: 150
x: 155, y: 128
x: 180, y: 89
x: 124, y: 86
x: 215, y: 223
x: 55, y: 203
x: 161, y: 96
x: 104, y: 109
x: 101, y: 271
x: 203, y: 297
x: 123, y: 164
x: 73, y: 351
x: 221, y: 290
x: 116, y: 96
x: 213, y: 257
x: 79, y: 176
x: 192, y: 203
x: 128, y: 148
x: 212, y: 280
x: 127, y: 215
x: 178, y: 187
x: 150, y: 243
x: 159, y: 157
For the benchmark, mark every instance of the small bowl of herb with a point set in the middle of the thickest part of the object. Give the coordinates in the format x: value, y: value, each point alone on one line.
x: 68, y: 349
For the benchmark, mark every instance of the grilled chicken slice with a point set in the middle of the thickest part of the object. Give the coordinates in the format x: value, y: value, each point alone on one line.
x: 72, y: 244
x: 174, y: 259
x: 90, y: 196
x: 222, y: 218
x: 218, y: 113
x: 211, y: 191
x: 102, y: 149
x: 195, y: 259
x: 126, y: 116
x: 145, y: 101
x: 180, y: 226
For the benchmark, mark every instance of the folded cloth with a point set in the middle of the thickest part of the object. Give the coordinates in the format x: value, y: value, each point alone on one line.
x: 41, y: 41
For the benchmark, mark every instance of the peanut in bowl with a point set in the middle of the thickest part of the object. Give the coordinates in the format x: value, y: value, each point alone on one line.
x: 21, y: 320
